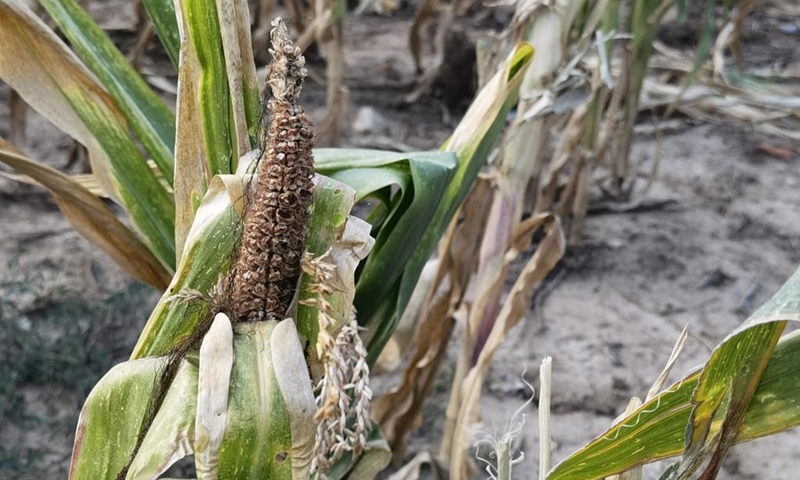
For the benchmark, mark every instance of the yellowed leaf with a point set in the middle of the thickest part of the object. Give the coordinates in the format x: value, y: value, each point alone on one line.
x: 92, y: 219
x: 44, y: 71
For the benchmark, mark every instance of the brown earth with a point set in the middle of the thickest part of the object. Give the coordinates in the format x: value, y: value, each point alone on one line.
x: 720, y: 238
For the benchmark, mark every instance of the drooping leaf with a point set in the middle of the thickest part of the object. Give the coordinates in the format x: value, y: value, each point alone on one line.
x: 35, y: 63
x: 151, y: 119
x: 112, y: 416
x: 420, y: 179
x: 93, y: 219
x: 658, y: 428
x: 379, y: 303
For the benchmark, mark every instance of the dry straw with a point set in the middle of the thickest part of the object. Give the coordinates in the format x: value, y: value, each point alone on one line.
x: 344, y: 391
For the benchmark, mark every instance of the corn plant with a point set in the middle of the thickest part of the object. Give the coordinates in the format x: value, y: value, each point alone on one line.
x: 584, y: 86
x: 748, y: 389
x: 256, y: 254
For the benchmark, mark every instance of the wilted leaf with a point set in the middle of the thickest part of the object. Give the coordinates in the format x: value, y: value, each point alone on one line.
x: 148, y: 116
x: 92, y: 219
x: 399, y: 410
x: 111, y: 418
x: 207, y: 256
x: 38, y: 65
x: 234, y: 22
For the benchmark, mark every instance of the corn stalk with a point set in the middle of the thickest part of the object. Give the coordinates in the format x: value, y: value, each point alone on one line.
x: 173, y: 382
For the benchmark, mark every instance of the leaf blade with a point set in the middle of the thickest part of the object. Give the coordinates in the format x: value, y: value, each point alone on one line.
x: 52, y: 80
x: 148, y: 116
x: 93, y: 219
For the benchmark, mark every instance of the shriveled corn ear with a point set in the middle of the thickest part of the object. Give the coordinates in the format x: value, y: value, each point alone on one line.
x: 268, y: 268
x: 240, y: 394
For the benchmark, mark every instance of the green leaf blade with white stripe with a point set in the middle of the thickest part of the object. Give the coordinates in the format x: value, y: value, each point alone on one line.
x: 149, y: 117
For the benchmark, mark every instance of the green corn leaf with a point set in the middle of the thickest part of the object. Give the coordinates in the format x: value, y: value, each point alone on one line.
x: 258, y: 438
x: 37, y: 64
x: 420, y: 179
x: 151, y: 120
x: 205, y: 62
x: 207, y: 256
x: 162, y: 14
x: 658, y: 429
x: 112, y: 417
x: 217, y: 100
x: 392, y: 270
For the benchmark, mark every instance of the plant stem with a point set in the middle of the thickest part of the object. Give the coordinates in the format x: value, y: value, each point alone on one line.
x: 545, y: 375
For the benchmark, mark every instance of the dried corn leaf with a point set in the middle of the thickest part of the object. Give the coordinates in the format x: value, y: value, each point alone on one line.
x: 92, y: 219
x: 473, y: 140
x: 548, y: 253
x: 52, y: 80
x: 234, y: 23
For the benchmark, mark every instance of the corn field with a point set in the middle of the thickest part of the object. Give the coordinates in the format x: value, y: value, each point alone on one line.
x: 438, y: 239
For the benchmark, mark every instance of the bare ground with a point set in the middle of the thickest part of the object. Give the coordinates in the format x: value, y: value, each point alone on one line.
x: 721, y: 237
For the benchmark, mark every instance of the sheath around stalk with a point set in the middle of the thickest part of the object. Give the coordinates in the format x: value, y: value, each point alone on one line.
x: 268, y: 267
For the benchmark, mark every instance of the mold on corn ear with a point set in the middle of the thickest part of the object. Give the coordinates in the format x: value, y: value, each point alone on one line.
x: 265, y: 275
